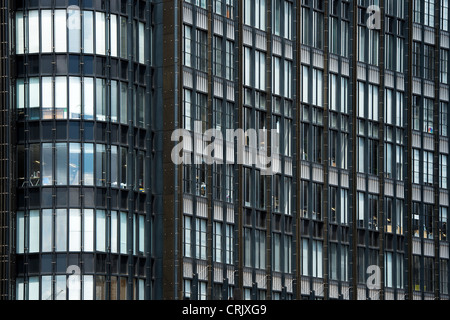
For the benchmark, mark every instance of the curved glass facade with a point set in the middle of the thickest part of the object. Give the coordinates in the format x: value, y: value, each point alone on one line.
x: 82, y: 109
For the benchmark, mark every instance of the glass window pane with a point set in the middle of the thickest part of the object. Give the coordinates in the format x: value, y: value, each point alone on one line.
x: 113, y: 288
x: 140, y: 107
x: 33, y: 288
x: 47, y: 98
x: 187, y: 50
x: 361, y: 100
x: 114, y: 98
x: 141, y: 43
x: 61, y: 230
x: 100, y: 29
x: 60, y: 31
x: 88, y: 164
x: 61, y: 98
x: 100, y: 288
x: 20, y: 232
x: 123, y: 38
x: 101, y: 99
x: 75, y: 230
x: 101, y: 230
x: 35, y: 98
x: 61, y: 164
x: 141, y: 234
x: 114, y: 167
x: 19, y: 289
x: 114, y: 225
x: 88, y: 236
x: 74, y: 27
x: 141, y: 289
x: 88, y: 287
x: 20, y: 38
x: 123, y: 103
x: 61, y: 285
x: 123, y: 167
x: 47, y: 230
x: 123, y: 288
x: 47, y: 288
x: 33, y: 31
x: 34, y: 231
x: 46, y: 34
x: 47, y: 164
x: 140, y: 172
x: 114, y: 51
x: 123, y: 233
x: 88, y: 32
x: 74, y: 164
x: 88, y: 112
x: 20, y: 92
x: 35, y: 165
x: 100, y: 165
x: 75, y: 97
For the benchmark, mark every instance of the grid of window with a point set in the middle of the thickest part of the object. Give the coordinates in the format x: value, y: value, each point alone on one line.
x: 77, y: 31
x: 78, y: 75
x: 63, y: 231
x: 282, y: 18
x: 199, y: 3
x: 77, y: 230
x: 443, y: 74
x: 416, y: 61
x: 444, y: 15
x: 428, y: 62
x: 201, y: 50
x: 311, y: 129
x: 443, y: 172
x: 368, y: 41
x: 224, y: 7
x: 394, y: 36
x: 86, y: 98
x: 254, y: 12
x: 443, y: 119
x: 76, y: 164
x: 429, y: 13
x: 417, y: 18
x: 313, y: 15
x: 428, y: 107
x: 416, y: 165
x: 86, y: 287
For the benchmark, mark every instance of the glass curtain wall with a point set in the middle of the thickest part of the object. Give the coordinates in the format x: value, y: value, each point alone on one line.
x: 82, y: 109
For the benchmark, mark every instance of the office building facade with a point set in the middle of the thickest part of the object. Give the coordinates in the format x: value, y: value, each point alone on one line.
x: 313, y: 163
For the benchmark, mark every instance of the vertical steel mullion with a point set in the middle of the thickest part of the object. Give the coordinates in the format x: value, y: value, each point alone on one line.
x: 148, y: 293
x: 209, y: 169
x: 269, y: 118
x: 381, y: 136
x: 238, y: 170
x: 5, y: 168
x: 108, y: 142
x: 353, y: 138
x: 326, y: 149
x: 297, y: 143
x: 130, y: 142
x: 178, y: 208
x: 436, y: 162
x: 408, y: 158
